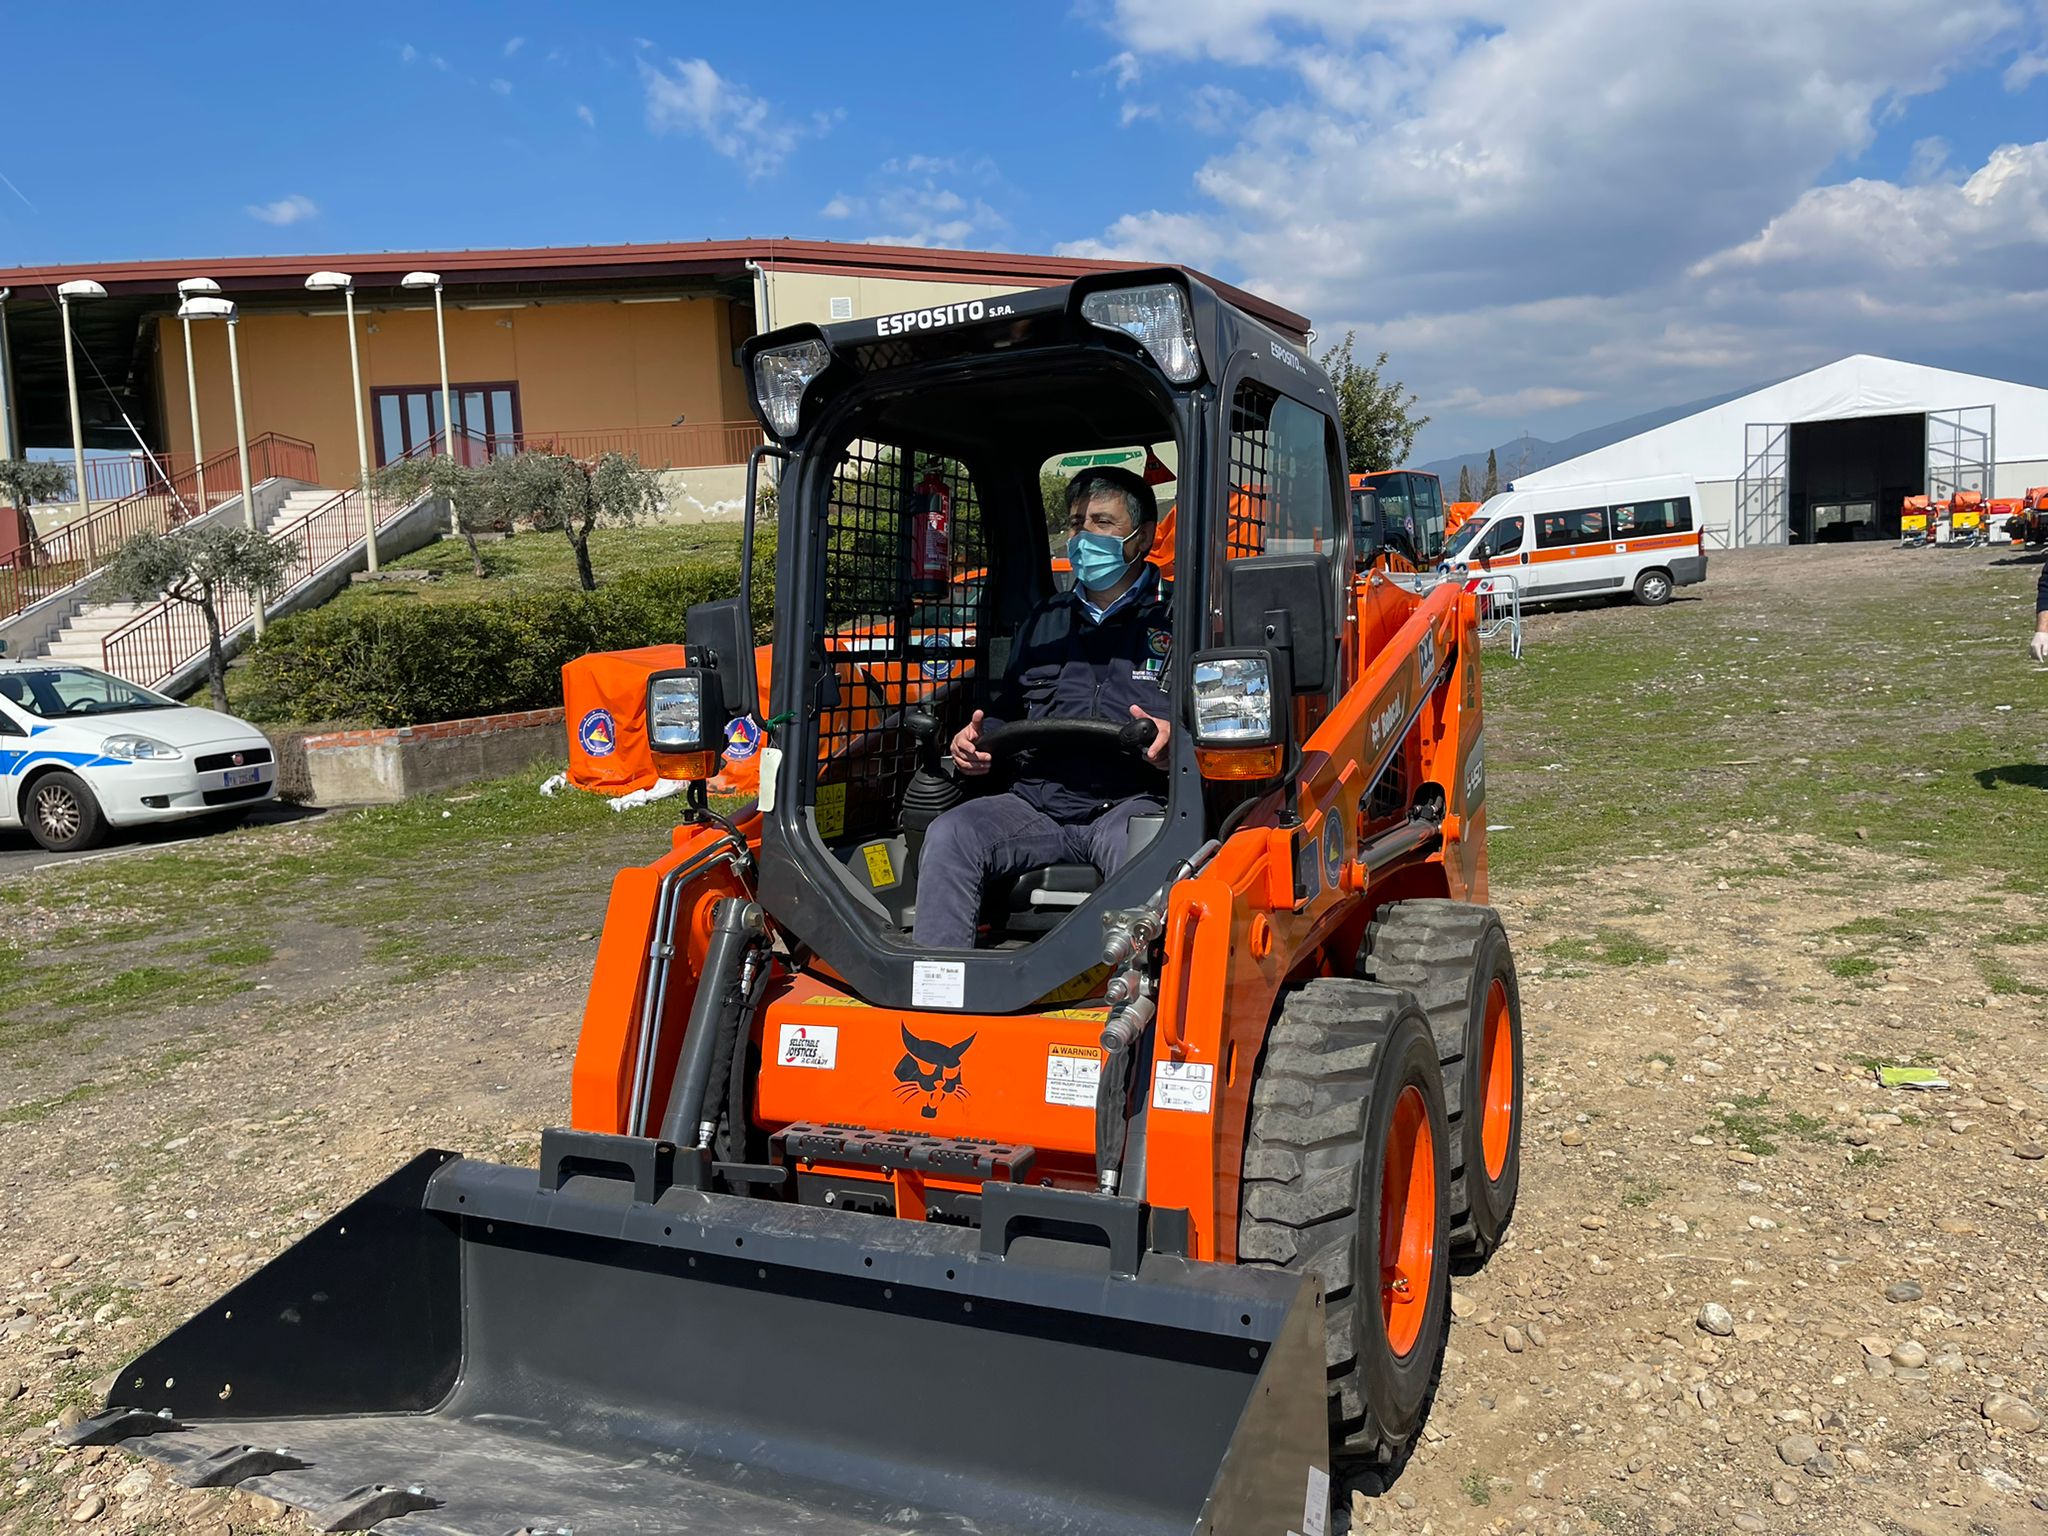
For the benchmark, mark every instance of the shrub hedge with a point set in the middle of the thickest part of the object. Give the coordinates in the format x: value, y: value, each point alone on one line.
x: 413, y: 663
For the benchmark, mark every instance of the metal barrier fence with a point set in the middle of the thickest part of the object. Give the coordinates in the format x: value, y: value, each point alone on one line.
x: 69, y: 554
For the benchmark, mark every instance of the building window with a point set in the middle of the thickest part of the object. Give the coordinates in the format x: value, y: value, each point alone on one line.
x: 409, y: 418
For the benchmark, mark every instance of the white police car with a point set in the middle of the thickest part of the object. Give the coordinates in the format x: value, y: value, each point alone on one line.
x: 81, y: 751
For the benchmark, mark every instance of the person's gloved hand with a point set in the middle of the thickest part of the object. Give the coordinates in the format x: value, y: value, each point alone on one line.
x: 2040, y: 645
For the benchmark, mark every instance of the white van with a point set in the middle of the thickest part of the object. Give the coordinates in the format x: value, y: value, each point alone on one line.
x: 1636, y: 537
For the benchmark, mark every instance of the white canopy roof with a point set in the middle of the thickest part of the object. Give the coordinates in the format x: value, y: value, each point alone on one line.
x: 1709, y: 446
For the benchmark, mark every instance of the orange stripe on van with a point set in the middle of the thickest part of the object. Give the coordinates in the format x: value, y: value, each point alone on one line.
x: 1619, y: 546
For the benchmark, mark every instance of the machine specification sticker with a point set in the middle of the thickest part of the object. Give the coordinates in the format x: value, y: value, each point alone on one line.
x: 938, y: 983
x: 1071, y: 1073
x: 809, y: 1045
x: 1315, y: 1516
x: 1183, y: 1085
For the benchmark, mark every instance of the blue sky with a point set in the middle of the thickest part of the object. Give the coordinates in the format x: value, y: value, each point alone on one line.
x: 1551, y: 212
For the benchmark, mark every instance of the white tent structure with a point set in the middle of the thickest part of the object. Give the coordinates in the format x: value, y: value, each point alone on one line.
x: 1831, y: 453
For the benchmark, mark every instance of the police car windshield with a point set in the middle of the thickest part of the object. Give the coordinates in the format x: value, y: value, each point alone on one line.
x: 70, y: 693
x: 1464, y: 539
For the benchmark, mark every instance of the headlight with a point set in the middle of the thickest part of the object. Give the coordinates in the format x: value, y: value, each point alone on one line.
x: 780, y: 378
x: 132, y: 749
x: 1233, y: 700
x: 1157, y: 315
x: 685, y: 712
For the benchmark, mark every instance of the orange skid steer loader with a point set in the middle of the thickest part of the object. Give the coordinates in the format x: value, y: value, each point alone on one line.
x: 1136, y: 1216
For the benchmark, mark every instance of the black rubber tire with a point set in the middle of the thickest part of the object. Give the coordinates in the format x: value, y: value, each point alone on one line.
x: 61, y: 813
x: 1654, y: 588
x: 1449, y: 954
x: 1336, y: 1060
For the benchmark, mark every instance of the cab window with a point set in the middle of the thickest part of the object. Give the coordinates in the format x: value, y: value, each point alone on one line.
x: 1582, y: 525
x: 1429, y: 515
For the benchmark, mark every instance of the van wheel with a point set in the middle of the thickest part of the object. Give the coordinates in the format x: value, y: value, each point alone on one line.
x: 62, y: 814
x: 1347, y: 1179
x: 1653, y: 588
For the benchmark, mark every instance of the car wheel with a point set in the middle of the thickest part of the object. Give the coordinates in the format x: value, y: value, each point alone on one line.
x: 62, y: 814
x: 1653, y: 588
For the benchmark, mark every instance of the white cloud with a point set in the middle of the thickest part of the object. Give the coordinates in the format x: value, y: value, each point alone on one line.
x: 1929, y: 159
x: 1538, y: 191
x: 1133, y: 111
x: 407, y: 53
x: 691, y: 97
x: 917, y: 200
x: 502, y: 87
x: 513, y: 45
x: 286, y: 210
x: 1127, y: 69
x: 585, y: 116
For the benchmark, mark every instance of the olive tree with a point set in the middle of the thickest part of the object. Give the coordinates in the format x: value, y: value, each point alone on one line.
x: 1379, y: 416
x: 467, y: 492
x: 552, y: 490
x: 198, y: 566
x: 25, y: 481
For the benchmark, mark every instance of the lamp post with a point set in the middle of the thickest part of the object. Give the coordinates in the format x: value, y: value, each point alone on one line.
x: 194, y: 288
x: 7, y: 446
x: 433, y: 280
x: 331, y: 282
x: 81, y: 288
x: 206, y: 307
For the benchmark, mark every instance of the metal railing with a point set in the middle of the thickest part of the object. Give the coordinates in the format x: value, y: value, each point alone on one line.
x: 151, y: 647
x: 67, y: 555
x: 690, y: 446
x: 1500, y: 607
x: 107, y: 478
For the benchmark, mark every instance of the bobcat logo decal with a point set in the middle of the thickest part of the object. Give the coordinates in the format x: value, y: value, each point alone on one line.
x: 930, y: 1072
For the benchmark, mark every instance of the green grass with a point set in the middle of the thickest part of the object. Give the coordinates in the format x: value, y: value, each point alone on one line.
x: 1478, y: 1488
x: 1671, y: 726
x: 1748, y: 1119
x: 1849, y: 967
x: 1666, y: 1057
x: 1638, y: 1193
x: 1609, y: 946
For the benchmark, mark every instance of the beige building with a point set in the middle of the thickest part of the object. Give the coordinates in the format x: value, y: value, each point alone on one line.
x: 576, y: 348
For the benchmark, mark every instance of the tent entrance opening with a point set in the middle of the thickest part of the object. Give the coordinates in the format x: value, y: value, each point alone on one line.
x: 1849, y: 477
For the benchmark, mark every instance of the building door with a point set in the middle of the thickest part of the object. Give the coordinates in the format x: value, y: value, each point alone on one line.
x: 1760, y: 510
x: 1959, y: 451
x: 409, y: 418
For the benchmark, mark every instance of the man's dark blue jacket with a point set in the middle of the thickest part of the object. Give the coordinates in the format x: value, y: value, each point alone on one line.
x: 1064, y: 666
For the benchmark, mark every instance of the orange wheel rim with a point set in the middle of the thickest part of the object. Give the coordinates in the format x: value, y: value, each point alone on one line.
x: 1407, y: 1221
x: 1497, y: 1080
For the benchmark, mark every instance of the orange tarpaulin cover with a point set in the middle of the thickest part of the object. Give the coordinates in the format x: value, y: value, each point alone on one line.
x: 604, y: 705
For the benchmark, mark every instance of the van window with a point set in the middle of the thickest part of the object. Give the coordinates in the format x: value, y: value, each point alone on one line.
x: 1504, y: 537
x: 1638, y: 519
x: 1582, y: 525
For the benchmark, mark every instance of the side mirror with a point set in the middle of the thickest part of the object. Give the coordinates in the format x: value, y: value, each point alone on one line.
x: 1284, y: 603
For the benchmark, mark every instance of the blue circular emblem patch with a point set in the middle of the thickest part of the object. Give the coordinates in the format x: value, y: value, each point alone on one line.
x: 1159, y: 642
x: 1333, y: 853
x: 742, y: 739
x: 598, y: 733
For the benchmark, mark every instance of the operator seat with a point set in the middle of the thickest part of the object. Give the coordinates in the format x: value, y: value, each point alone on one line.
x: 1037, y: 901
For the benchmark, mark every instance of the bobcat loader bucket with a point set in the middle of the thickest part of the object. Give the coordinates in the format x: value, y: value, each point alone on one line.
x: 485, y: 1350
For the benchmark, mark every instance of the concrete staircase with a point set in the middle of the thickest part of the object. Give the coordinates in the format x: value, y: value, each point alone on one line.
x: 83, y: 638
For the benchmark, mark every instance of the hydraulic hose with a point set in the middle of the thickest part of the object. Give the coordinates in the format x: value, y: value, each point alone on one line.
x: 736, y: 925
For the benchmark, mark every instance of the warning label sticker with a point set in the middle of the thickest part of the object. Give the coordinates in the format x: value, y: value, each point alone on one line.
x: 809, y: 1045
x: 881, y: 873
x: 1071, y: 1075
x: 1188, y: 1085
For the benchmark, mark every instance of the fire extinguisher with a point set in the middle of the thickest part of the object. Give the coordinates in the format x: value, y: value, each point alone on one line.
x: 931, y: 535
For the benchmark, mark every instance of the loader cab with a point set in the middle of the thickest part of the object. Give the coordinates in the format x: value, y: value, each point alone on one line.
x: 888, y: 636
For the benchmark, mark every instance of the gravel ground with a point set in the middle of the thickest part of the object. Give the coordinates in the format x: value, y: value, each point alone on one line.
x: 1748, y: 1289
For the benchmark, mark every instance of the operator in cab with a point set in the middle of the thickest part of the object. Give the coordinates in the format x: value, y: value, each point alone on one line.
x: 1101, y: 651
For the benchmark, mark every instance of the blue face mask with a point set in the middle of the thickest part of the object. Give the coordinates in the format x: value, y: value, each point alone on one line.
x: 1097, y: 559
